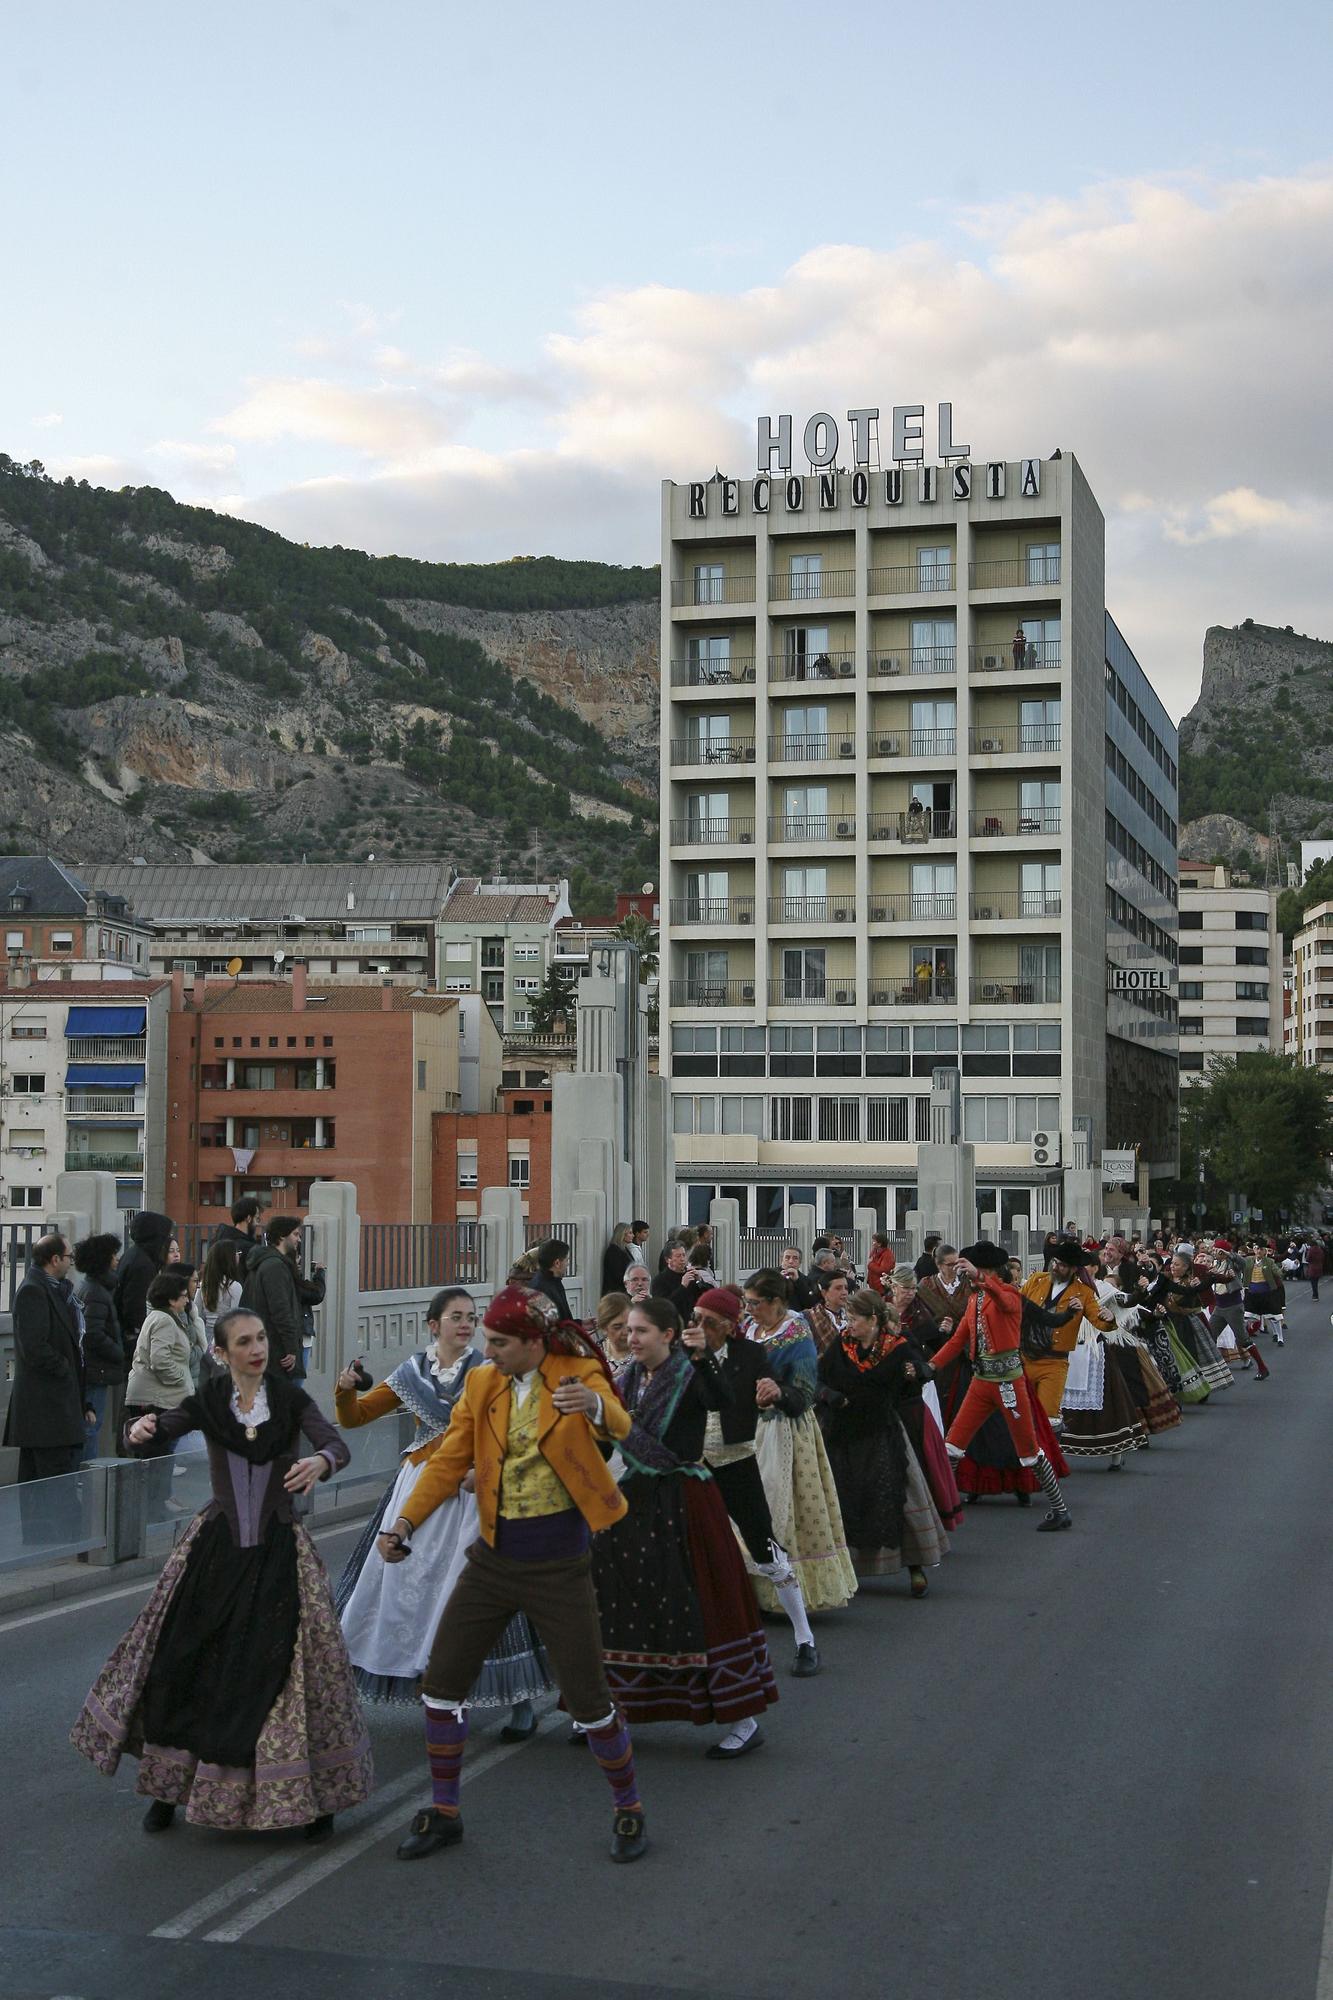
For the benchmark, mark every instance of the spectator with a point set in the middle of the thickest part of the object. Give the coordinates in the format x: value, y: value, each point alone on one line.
x: 150, y: 1242
x: 674, y: 1283
x: 1312, y: 1264
x: 194, y: 1312
x: 700, y: 1260
x: 105, y: 1364
x: 48, y: 1411
x: 612, y: 1326
x: 270, y: 1290
x: 924, y: 1266
x: 552, y: 1264
x: 220, y: 1285
x: 881, y: 1264
x: 162, y: 1373
x: 616, y: 1258
x: 246, y: 1228
x: 638, y: 1242
x: 638, y: 1284
x: 801, y: 1290
x: 311, y: 1292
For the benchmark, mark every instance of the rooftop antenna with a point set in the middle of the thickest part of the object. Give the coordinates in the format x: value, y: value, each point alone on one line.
x: 1274, y: 875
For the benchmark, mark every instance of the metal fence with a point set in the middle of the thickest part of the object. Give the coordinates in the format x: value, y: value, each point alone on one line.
x: 564, y: 1232
x: 408, y: 1256
x: 761, y: 1249
x: 16, y: 1241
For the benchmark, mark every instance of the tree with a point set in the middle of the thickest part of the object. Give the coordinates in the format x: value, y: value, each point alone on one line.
x: 558, y: 996
x: 1262, y: 1128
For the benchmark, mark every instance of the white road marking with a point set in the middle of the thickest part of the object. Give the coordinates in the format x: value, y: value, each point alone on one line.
x: 349, y: 1850
x: 1323, y: 1989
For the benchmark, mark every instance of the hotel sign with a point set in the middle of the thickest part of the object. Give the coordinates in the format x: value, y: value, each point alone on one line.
x: 821, y: 442
x: 1141, y: 979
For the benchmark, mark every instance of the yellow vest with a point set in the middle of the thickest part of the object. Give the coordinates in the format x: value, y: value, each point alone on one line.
x: 528, y: 1486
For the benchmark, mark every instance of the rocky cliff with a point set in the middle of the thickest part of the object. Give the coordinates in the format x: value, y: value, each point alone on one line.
x: 1259, y: 735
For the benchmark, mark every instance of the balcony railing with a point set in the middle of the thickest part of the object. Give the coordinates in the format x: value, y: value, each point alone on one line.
x: 831, y: 991
x: 101, y: 1107
x: 910, y: 992
x: 104, y: 1163
x: 736, y: 668
x: 713, y: 590
x: 715, y: 832
x: 1003, y: 656
x: 995, y: 905
x: 887, y: 662
x: 812, y: 583
x: 810, y: 749
x: 913, y: 743
x: 833, y: 909
x: 712, y: 909
x: 913, y: 828
x: 712, y: 992
x: 910, y: 579
x: 1043, y: 990
x: 1034, y: 739
x: 409, y: 1256
x: 106, y: 1048
x: 731, y: 750
x: 830, y: 666
x: 994, y: 822
x: 1029, y: 572
x: 803, y: 827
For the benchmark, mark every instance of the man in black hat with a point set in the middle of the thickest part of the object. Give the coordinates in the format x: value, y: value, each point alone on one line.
x: 1063, y: 1287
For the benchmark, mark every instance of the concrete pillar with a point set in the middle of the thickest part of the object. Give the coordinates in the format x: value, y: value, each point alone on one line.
x: 990, y: 1226
x: 801, y: 1222
x: 725, y: 1218
x: 916, y: 1232
x: 85, y: 1205
x: 334, y: 1229
x: 864, y: 1224
x: 502, y: 1219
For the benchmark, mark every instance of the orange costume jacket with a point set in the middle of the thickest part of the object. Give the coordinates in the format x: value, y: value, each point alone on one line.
x: 478, y: 1435
x: 1077, y: 1293
x: 998, y: 1358
x: 356, y: 1407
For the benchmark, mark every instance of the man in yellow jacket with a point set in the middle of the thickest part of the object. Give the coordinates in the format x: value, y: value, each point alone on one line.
x: 1061, y: 1287
x: 528, y: 1430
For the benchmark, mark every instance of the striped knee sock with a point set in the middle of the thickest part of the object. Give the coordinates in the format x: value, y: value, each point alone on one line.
x: 446, y: 1735
x: 610, y: 1745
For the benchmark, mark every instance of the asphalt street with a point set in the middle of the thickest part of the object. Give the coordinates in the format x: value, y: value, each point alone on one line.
x: 1095, y: 1764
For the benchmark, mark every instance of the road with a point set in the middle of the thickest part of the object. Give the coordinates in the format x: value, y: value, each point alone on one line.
x: 1096, y: 1764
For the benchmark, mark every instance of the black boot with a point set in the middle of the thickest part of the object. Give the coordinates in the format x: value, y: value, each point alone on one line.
x: 429, y: 1832
x: 320, y: 1829
x: 158, y: 1817
x: 628, y: 1839
x: 1059, y: 1515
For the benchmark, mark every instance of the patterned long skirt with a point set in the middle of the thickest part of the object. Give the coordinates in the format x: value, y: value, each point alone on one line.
x: 807, y: 1520
x: 682, y: 1639
x: 1110, y: 1431
x: 310, y: 1754
x: 890, y: 1519
x: 1193, y: 1331
x: 1153, y: 1400
x: 1193, y: 1389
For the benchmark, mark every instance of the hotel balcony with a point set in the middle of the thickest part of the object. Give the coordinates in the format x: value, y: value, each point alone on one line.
x: 998, y: 656
x: 1007, y: 739
x: 837, y: 744
x: 889, y: 661
x: 704, y: 591
x: 914, y: 829
x: 722, y: 750
x: 991, y: 991
x: 804, y: 911
x: 911, y: 579
x: 807, y: 585
x: 1015, y: 822
x: 712, y: 910
x: 801, y: 829
x: 898, y: 740
x: 993, y: 906
x: 917, y: 975
x: 738, y: 669
x: 1025, y: 572
x: 710, y: 993
x: 837, y: 664
x: 736, y: 830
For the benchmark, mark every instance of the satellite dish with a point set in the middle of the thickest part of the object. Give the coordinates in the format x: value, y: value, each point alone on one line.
x: 279, y: 957
x: 235, y: 966
x: 647, y: 889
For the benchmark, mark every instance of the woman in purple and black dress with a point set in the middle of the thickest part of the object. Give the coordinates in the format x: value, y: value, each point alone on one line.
x: 233, y: 1687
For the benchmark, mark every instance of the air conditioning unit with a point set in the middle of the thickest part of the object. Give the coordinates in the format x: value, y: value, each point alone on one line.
x: 747, y: 673
x: 1046, y: 1149
x: 747, y: 993
x: 880, y: 914
x: 846, y: 829
x: 844, y: 996
x: 990, y: 663
x: 991, y: 991
x: 847, y: 747
x: 846, y: 668
x: 879, y: 999
x: 888, y: 663
x: 889, y: 746
x: 990, y: 743
x: 841, y: 916
x: 983, y: 912
x: 743, y: 837
x: 747, y: 756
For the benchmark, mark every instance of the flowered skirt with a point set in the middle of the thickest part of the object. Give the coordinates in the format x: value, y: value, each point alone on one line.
x: 311, y: 1753
x: 682, y: 1639
x: 1153, y: 1400
x: 807, y: 1520
x: 389, y: 1611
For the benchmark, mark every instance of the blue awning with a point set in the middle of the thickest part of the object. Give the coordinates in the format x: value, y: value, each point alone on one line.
x: 107, y: 1076
x: 105, y: 1021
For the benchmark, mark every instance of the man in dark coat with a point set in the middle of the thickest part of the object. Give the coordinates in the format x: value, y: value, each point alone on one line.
x: 246, y: 1228
x: 272, y: 1289
x: 150, y: 1236
x: 552, y: 1263
x: 48, y: 1413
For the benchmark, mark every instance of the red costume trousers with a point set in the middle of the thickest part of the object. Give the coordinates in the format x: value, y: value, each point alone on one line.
x: 981, y: 1401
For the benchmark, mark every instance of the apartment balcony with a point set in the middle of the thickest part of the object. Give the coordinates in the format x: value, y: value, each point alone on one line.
x: 732, y: 750
x: 709, y: 910
x: 709, y: 590
x: 828, y: 992
x: 1015, y: 822
x: 993, y: 906
x: 1037, y: 992
x: 1005, y: 739
x: 812, y: 584
x: 106, y: 1048
x: 103, y: 1163
x: 836, y: 745
x: 910, y: 580
x: 1030, y: 572
x: 913, y: 829
x: 834, y: 909
x: 799, y: 829
x: 934, y: 743
x: 835, y: 665
x: 998, y: 656
x: 738, y: 669
x: 932, y: 662
x: 732, y: 831
x: 96, y: 1106
x: 712, y: 992
x: 910, y: 992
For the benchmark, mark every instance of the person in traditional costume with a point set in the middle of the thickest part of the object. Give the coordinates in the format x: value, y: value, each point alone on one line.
x: 945, y: 1291
x: 1100, y: 1417
x: 828, y: 1320
x: 990, y: 1335
x: 890, y: 1519
x: 531, y: 1428
x: 1126, y: 1351
x: 1265, y: 1293
x: 735, y: 1366
x: 1063, y: 1288
x: 1185, y: 1295
x: 613, y: 1327
x: 233, y: 1687
x: 389, y: 1612
x: 1227, y: 1317
x: 798, y: 1481
x: 682, y: 1639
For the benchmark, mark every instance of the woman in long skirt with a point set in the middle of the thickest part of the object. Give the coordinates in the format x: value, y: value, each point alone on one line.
x: 390, y: 1611
x: 1127, y: 1353
x: 233, y: 1687
x: 890, y: 1519
x: 1185, y: 1301
x: 1100, y: 1419
x: 798, y: 1481
x: 681, y: 1633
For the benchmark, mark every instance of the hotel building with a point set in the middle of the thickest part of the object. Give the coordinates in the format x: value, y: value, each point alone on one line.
x: 1230, y: 968
x: 918, y: 810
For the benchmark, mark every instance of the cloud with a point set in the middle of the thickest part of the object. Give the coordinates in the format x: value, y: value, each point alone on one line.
x: 50, y: 422
x: 1242, y: 511
x: 380, y: 421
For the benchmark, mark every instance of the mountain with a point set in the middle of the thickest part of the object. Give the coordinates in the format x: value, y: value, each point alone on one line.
x: 176, y: 683
x: 1260, y: 735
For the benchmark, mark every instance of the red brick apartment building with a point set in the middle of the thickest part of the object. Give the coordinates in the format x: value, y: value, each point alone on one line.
x: 274, y: 1085
x: 510, y: 1147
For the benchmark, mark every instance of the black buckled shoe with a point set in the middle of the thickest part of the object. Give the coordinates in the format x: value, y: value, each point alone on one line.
x: 1051, y: 1524
x: 720, y: 1754
x: 158, y: 1816
x: 806, y: 1664
x: 629, y: 1840
x: 319, y: 1829
x: 430, y: 1830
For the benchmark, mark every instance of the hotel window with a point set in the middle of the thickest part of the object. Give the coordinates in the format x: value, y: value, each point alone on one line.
x: 1043, y: 562
x: 1039, y: 806
x: 805, y: 733
x: 934, y: 569
x: 1039, y: 725
x: 804, y: 894
x: 986, y: 1118
x: 933, y: 729
x: 1041, y: 642
x: 743, y: 1114
x: 803, y: 973
x: 708, y: 738
x: 1191, y: 1061
x: 1192, y: 989
x: 1251, y: 954
x: 934, y: 645
x: 807, y: 576
x: 806, y: 648
x: 1039, y: 889
x: 805, y: 812
x: 1192, y: 920
x: 1191, y: 954
x: 1035, y: 1114
x: 1189, y: 1025
x: 708, y: 583
x: 710, y: 660
x: 1252, y: 1024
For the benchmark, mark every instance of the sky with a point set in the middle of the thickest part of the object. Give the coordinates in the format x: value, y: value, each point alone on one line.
x: 468, y: 282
